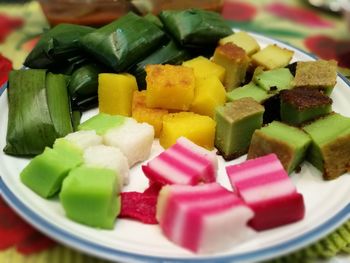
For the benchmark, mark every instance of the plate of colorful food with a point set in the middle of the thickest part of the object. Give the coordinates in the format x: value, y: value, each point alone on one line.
x: 174, y: 138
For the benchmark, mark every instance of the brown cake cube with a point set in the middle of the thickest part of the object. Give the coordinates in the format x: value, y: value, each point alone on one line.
x: 320, y: 74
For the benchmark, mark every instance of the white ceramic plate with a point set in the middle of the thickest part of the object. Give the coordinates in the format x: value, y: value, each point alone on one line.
x: 327, y: 206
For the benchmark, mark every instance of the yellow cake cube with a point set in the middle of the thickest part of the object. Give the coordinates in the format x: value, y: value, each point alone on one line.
x: 115, y: 92
x: 203, y: 68
x: 272, y: 57
x: 209, y: 93
x: 243, y: 40
x: 198, y: 128
x: 235, y: 60
x: 141, y: 113
x: 169, y: 87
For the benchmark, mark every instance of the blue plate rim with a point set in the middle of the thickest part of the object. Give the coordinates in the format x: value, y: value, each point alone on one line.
x: 114, y: 254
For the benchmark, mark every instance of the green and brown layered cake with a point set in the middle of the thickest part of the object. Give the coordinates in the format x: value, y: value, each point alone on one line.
x: 302, y: 104
x: 330, y: 148
x: 275, y: 80
x: 287, y: 142
x: 320, y: 74
x: 249, y: 90
x: 236, y: 122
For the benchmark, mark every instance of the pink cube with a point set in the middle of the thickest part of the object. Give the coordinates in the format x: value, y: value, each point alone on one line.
x: 183, y: 163
x: 204, y: 218
x: 265, y: 187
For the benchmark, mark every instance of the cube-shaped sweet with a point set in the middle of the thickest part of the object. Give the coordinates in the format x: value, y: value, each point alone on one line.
x: 236, y: 122
x: 198, y: 128
x: 209, y: 93
x: 243, y: 40
x: 274, y: 80
x: 44, y: 174
x: 250, y: 90
x: 115, y: 93
x: 320, y: 74
x: 183, y: 163
x: 299, y: 105
x: 272, y: 57
x: 330, y: 148
x: 142, y: 113
x: 289, y: 143
x: 235, y: 60
x: 205, y: 218
x: 101, y: 123
x: 169, y: 87
x: 265, y: 187
x: 91, y: 196
x: 204, y: 68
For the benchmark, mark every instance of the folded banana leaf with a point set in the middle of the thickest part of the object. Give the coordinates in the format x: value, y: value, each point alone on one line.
x: 170, y: 53
x: 84, y: 83
x: 69, y: 65
x: 124, y: 42
x: 195, y: 27
x: 39, y: 111
x: 57, y: 45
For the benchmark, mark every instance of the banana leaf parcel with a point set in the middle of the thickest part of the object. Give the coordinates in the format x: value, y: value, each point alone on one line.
x: 123, y: 42
x: 57, y: 45
x: 39, y: 111
x: 195, y: 27
x: 83, y: 85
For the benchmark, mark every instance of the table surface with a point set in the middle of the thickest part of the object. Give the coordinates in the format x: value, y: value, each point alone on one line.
x: 294, y: 22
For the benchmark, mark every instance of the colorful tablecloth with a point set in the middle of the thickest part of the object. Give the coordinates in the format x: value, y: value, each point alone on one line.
x: 292, y: 21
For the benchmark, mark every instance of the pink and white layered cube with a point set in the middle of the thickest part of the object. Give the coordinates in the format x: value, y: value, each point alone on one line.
x: 265, y: 187
x: 183, y: 163
x: 204, y: 218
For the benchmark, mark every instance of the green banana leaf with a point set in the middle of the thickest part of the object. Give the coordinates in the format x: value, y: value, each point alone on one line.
x: 195, y: 27
x: 123, y: 42
x: 57, y: 45
x: 170, y: 53
x: 84, y: 83
x: 39, y: 111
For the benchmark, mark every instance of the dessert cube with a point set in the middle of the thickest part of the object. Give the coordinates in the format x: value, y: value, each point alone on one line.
x: 91, y: 196
x: 101, y: 123
x: 183, y: 163
x: 44, y: 174
x: 330, y: 148
x: 265, y: 187
x: 169, y: 87
x: 235, y: 60
x: 236, y: 122
x: 272, y: 57
x: 250, y: 90
x: 115, y: 93
x: 133, y: 139
x: 198, y: 128
x: 320, y: 74
x: 299, y: 105
x: 243, y: 40
x: 102, y: 156
x: 142, y: 113
x: 274, y: 80
x: 287, y: 142
x: 205, y: 218
x: 209, y: 93
x: 203, y: 68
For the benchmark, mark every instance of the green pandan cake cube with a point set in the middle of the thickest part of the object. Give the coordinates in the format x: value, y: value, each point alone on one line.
x: 275, y: 80
x: 250, y: 90
x: 330, y: 148
x: 236, y: 121
x: 289, y: 143
x: 101, y: 123
x: 45, y: 173
x: 91, y: 196
x: 303, y: 104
